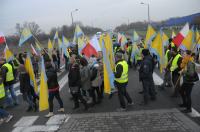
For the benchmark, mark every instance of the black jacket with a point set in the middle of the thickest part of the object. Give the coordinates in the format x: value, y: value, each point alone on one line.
x: 24, y: 80
x: 52, y: 79
x: 146, y: 68
x: 74, y: 77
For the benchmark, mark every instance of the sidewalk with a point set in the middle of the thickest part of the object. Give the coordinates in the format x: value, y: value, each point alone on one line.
x: 165, y: 120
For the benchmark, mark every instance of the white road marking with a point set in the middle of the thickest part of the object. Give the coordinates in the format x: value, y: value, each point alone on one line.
x: 157, y: 79
x: 37, y: 128
x: 66, y: 120
x: 56, y: 120
x: 26, y: 121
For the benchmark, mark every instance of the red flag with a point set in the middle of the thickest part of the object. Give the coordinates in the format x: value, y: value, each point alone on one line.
x: 89, y: 50
x: 181, y: 35
x: 2, y: 38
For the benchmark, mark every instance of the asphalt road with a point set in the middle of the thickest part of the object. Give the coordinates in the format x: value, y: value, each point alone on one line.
x: 164, y: 101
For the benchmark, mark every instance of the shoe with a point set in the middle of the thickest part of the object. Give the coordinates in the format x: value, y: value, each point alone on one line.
x: 61, y: 110
x: 29, y: 109
x: 182, y: 105
x: 187, y: 111
x: 121, y: 109
x: 7, y: 119
x: 130, y: 104
x: 49, y: 115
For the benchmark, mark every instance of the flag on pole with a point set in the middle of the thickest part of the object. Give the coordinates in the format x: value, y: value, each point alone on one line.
x: 95, y: 43
x: 108, y: 74
x: 59, y: 43
x: 50, y: 46
x: 181, y: 35
x: 8, y: 54
x: 43, y: 95
x: 135, y: 36
x: 165, y: 39
x: 26, y: 34
x: 56, y: 35
x: 65, y: 45
x: 187, y: 43
x: 2, y: 38
x: 29, y: 69
x: 89, y: 50
x: 197, y: 39
x: 33, y: 50
x: 157, y: 48
x: 81, y: 44
x: 78, y: 33
x: 38, y: 47
x: 173, y: 34
x: 135, y: 51
x: 109, y: 51
x: 149, y: 36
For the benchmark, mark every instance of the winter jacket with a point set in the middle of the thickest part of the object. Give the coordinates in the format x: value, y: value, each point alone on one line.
x: 85, y: 78
x: 146, y: 68
x: 25, y: 85
x: 95, y: 76
x: 4, y: 70
x: 74, y: 77
x: 52, y: 79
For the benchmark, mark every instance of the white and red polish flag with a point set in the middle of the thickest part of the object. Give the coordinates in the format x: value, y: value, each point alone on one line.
x: 181, y: 35
x: 2, y: 38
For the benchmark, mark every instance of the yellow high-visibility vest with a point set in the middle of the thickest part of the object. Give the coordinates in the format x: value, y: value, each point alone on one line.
x: 124, y: 76
x: 9, y: 74
x: 166, y: 57
x: 174, y: 63
x: 2, y: 91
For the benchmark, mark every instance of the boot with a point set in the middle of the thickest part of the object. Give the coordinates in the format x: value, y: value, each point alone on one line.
x: 61, y: 110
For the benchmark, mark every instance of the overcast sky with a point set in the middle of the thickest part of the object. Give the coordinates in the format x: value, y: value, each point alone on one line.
x: 106, y: 14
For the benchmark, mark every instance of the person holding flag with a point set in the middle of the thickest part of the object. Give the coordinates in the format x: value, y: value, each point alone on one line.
x: 53, y: 88
x: 175, y: 69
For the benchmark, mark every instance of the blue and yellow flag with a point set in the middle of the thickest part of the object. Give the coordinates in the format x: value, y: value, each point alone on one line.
x: 149, y: 36
x: 78, y: 33
x: 157, y: 48
x: 56, y: 35
x: 29, y: 69
x: 165, y: 39
x: 50, y: 46
x: 136, y: 37
x: 197, y: 39
x: 26, y: 34
x: 8, y: 54
x: 59, y: 43
x: 65, y: 45
x: 43, y: 96
x: 108, y: 73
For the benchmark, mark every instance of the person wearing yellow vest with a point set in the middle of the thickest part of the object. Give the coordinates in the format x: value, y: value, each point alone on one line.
x: 175, y: 69
x: 4, y: 115
x: 121, y: 80
x: 8, y: 80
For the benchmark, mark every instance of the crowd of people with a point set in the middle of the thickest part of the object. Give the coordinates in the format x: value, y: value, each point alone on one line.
x: 86, y: 77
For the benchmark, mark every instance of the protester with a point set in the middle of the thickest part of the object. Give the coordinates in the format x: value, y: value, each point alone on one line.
x: 58, y: 59
x: 175, y: 69
x: 121, y: 80
x: 8, y: 80
x: 95, y: 82
x: 53, y: 88
x: 55, y: 59
x: 189, y: 77
x: 26, y: 88
x: 146, y: 76
x: 74, y: 81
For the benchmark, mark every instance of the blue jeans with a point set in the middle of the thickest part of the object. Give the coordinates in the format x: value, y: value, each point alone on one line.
x: 3, y: 113
x: 29, y: 99
x: 10, y: 90
x: 51, y: 97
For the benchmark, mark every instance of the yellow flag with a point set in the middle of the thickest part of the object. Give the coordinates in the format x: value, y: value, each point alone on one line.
x: 43, y: 102
x: 109, y: 50
x: 107, y: 87
x: 8, y: 54
x: 158, y: 49
x: 29, y: 69
x: 197, y: 37
x: 149, y: 36
x: 50, y: 46
x: 187, y: 42
x: 165, y: 39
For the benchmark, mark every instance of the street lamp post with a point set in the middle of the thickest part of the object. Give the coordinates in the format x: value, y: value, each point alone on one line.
x: 72, y: 16
x: 147, y: 4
